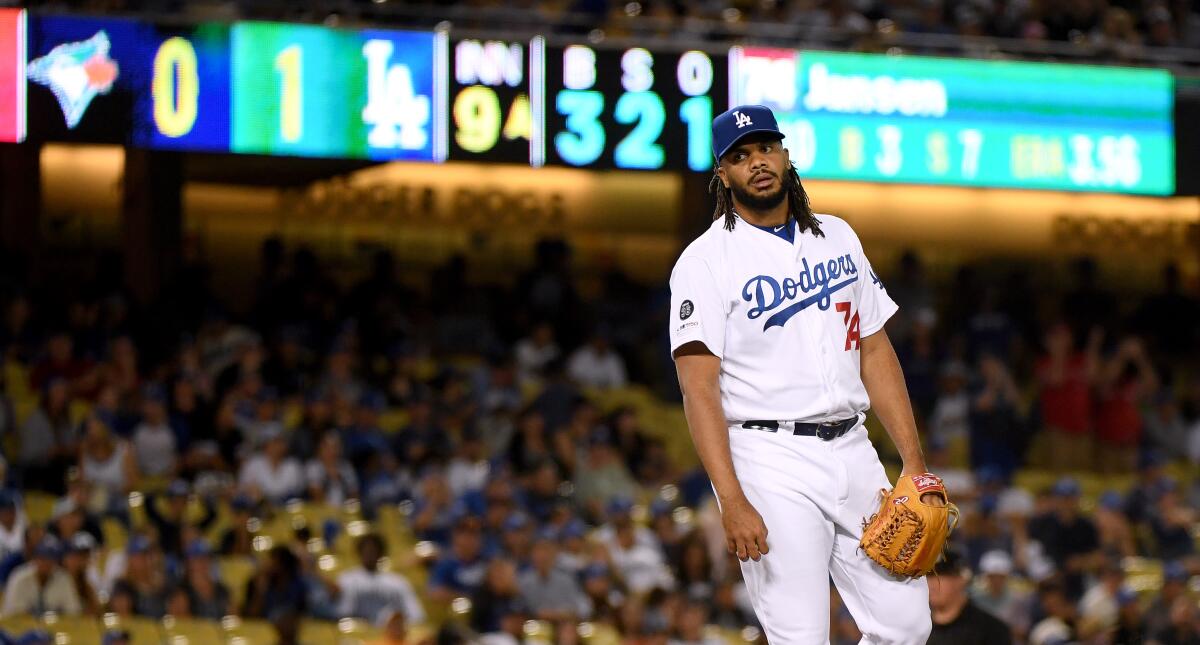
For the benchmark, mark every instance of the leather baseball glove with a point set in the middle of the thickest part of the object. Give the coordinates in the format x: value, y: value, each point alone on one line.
x: 907, y: 536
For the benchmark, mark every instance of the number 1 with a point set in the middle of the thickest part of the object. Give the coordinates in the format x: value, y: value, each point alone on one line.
x: 291, y: 93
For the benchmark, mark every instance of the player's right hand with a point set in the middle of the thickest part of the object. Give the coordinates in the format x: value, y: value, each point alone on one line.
x: 745, y: 531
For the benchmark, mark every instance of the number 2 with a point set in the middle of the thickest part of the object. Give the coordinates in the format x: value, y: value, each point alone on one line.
x: 851, y: 324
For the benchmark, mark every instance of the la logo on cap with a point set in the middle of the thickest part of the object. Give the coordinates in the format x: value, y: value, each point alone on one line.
x: 742, y: 120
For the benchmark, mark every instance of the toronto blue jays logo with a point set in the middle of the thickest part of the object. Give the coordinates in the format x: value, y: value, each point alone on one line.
x: 76, y: 73
x: 817, y: 284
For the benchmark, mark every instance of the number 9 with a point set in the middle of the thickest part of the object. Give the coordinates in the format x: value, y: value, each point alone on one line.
x: 477, y: 118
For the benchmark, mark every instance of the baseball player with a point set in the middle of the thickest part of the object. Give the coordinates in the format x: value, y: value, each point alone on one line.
x: 777, y: 334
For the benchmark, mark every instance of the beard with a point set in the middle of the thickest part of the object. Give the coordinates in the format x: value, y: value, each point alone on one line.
x: 762, y: 201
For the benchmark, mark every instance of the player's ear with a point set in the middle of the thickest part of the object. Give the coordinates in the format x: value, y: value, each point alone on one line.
x: 722, y: 175
x: 787, y: 157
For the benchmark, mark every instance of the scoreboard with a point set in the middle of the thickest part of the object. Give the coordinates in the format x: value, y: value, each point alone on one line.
x: 308, y: 90
x: 632, y: 108
x: 963, y: 122
x: 12, y: 75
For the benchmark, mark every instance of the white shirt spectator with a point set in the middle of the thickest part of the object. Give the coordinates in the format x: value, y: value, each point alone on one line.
x: 464, y: 475
x: 12, y: 540
x: 277, y: 482
x: 374, y: 596
x: 951, y: 416
x: 154, y: 446
x: 599, y: 368
x: 532, y: 355
x: 337, y: 488
x: 641, y: 567
x: 24, y: 593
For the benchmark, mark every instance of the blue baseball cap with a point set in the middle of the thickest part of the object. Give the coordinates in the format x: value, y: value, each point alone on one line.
x: 34, y: 637
x: 729, y: 127
x: 49, y: 547
x: 1066, y: 487
x: 115, y: 637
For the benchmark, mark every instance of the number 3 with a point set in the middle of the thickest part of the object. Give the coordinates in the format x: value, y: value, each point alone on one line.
x: 851, y: 324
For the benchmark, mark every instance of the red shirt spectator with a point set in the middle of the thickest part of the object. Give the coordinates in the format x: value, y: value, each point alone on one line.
x: 1064, y: 379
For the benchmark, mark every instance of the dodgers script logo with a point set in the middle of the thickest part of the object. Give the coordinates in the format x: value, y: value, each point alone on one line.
x: 742, y: 120
x: 817, y: 284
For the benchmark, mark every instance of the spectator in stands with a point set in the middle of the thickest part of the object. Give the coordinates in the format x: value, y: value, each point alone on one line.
x: 596, y: 364
x: 277, y: 588
x: 238, y: 539
x: 950, y: 421
x: 695, y: 568
x: 367, y: 592
x: 12, y: 524
x: 145, y: 575
x: 33, y: 536
x: 551, y: 594
x: 1069, y: 538
x: 170, y: 519
x: 271, y: 473
x: 1174, y: 587
x: 534, y: 352
x: 207, y: 596
x: 76, y: 559
x: 640, y: 565
x: 995, y: 593
x: 434, y: 509
x: 460, y: 572
x: 1184, y: 625
x: 108, y: 464
x: 1099, y: 608
x: 1171, y: 522
x: 47, y: 438
x: 1058, y: 625
x: 997, y: 428
x: 154, y: 441
x: 41, y: 585
x: 1126, y: 381
x: 957, y: 619
x: 331, y: 479
x: 1065, y: 378
x: 498, y: 598
x: 1112, y: 527
x: 468, y: 468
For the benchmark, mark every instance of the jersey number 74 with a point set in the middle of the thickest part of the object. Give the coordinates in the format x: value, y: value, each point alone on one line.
x: 851, y: 324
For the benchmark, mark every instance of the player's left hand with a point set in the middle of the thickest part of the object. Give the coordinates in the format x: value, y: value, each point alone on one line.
x: 933, y: 499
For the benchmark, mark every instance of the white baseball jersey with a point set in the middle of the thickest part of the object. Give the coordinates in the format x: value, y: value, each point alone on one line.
x: 785, y: 318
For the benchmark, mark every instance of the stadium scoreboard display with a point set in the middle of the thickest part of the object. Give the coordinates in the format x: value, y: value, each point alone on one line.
x: 12, y: 75
x: 963, y: 122
x: 309, y: 90
x: 632, y: 108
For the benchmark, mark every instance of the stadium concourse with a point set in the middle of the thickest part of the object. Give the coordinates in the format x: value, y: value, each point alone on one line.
x: 348, y: 464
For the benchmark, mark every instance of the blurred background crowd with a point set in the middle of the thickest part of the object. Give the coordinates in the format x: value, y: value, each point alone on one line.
x: 1106, y: 30
x: 509, y: 462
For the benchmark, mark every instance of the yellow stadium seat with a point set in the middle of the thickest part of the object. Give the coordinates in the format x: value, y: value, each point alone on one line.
x: 599, y: 634
x: 353, y: 631
x: 142, y: 631
x: 114, y: 533
x: 236, y: 572
x: 73, y: 630
x: 191, y: 631
x: 248, y: 632
x: 19, y: 624
x: 38, y: 506
x: 318, y: 632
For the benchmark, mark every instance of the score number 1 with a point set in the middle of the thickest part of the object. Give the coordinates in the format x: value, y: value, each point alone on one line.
x: 584, y: 139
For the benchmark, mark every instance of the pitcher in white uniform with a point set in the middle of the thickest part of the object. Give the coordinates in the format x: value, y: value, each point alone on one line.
x: 777, y: 334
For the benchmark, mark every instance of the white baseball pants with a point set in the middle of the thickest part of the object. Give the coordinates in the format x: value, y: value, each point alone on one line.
x: 813, y: 496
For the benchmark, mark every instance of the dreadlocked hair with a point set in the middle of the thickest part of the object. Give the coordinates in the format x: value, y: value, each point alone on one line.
x: 798, y: 206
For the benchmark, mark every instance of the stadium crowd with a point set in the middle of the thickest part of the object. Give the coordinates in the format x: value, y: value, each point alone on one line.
x: 1113, y: 30
x: 470, y: 431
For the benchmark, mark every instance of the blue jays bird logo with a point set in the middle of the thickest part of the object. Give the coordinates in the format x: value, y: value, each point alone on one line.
x: 76, y: 73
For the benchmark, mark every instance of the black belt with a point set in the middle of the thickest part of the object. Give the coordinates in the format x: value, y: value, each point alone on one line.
x: 824, y: 431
